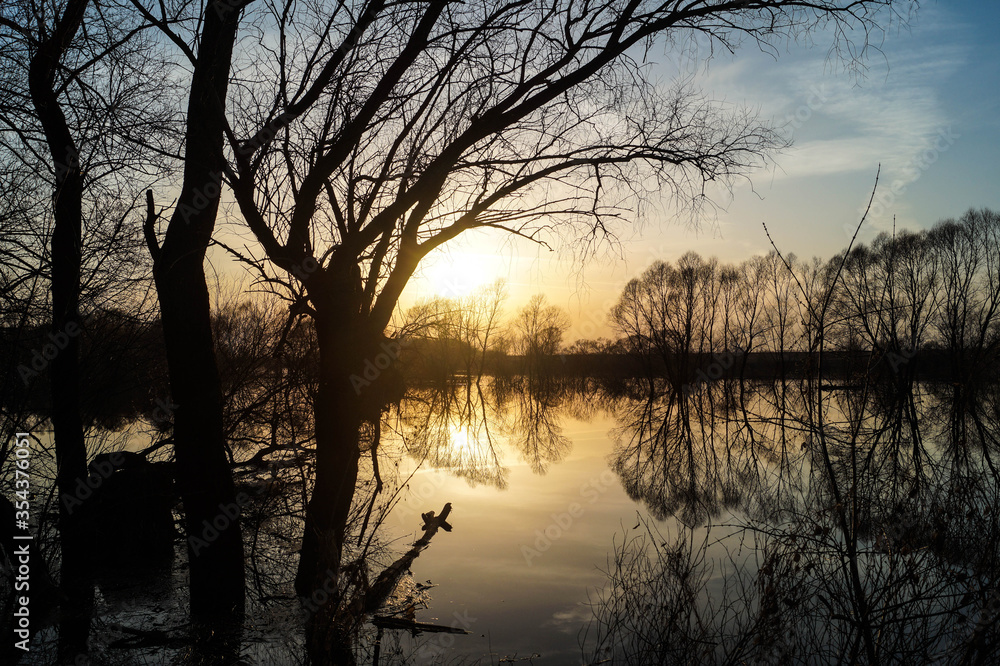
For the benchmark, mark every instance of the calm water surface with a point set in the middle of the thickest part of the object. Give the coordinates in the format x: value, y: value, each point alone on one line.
x: 518, y: 561
x: 546, y: 486
x: 537, y: 511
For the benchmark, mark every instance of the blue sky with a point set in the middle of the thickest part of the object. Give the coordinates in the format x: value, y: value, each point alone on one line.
x: 927, y: 109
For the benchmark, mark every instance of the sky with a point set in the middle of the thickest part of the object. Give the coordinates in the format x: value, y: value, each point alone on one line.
x: 926, y: 108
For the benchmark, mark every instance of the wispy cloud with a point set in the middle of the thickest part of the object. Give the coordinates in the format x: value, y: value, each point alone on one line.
x: 840, y: 123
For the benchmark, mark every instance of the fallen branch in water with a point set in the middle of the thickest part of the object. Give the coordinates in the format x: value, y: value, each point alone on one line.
x: 386, y: 583
x: 384, y: 622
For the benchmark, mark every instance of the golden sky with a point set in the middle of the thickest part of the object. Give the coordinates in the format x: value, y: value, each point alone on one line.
x: 927, y: 109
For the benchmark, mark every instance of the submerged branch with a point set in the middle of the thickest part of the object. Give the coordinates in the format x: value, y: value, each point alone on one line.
x: 416, y: 627
x: 388, y: 579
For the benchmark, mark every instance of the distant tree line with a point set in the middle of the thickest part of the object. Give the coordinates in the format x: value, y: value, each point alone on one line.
x: 927, y: 300
x: 933, y: 295
x: 470, y: 336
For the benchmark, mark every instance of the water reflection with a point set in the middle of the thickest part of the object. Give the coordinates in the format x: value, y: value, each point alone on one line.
x: 789, y: 522
x: 466, y: 428
x: 865, y: 518
x: 694, y: 455
x: 533, y: 425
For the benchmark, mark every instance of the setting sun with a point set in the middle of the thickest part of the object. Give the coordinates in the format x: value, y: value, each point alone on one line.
x: 458, y: 274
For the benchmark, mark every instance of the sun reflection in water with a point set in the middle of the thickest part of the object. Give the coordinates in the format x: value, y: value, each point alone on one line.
x: 464, y: 447
x: 468, y: 453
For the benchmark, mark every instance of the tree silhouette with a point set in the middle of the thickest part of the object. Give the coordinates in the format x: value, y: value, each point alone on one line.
x: 358, y: 136
x: 537, y: 333
x: 204, y: 478
x: 363, y: 139
x: 62, y: 123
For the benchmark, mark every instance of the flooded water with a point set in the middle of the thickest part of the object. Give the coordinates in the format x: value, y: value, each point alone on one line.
x: 573, y: 510
x: 754, y: 523
x: 523, y: 558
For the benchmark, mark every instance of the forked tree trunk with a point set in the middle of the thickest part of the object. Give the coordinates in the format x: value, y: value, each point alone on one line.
x: 351, y: 391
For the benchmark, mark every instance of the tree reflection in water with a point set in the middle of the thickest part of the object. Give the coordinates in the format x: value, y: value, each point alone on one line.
x: 449, y: 427
x: 860, y: 526
x: 789, y: 523
x: 465, y: 428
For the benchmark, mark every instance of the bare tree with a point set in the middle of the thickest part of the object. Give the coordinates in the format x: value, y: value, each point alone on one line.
x: 363, y: 135
x: 61, y: 119
x: 669, y: 314
x: 780, y: 326
x: 203, y: 473
x: 71, y: 449
x: 868, y: 561
x: 538, y: 331
x: 485, y: 311
x: 458, y: 332
x: 206, y: 38
x: 969, y: 256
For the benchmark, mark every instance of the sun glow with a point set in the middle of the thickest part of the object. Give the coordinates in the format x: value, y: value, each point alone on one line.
x: 466, y: 451
x: 464, y: 448
x: 458, y: 274
x: 461, y: 442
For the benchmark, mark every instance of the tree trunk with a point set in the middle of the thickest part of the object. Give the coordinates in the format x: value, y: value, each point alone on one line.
x: 204, y: 478
x: 354, y: 375
x: 337, y: 428
x: 338, y: 421
x: 75, y: 577
x: 357, y: 378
